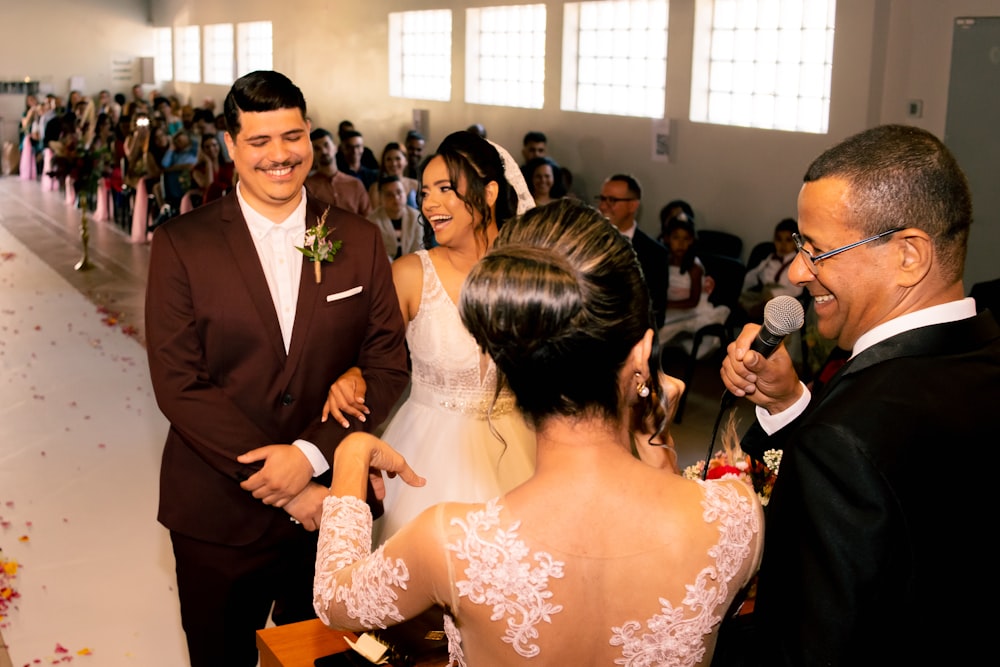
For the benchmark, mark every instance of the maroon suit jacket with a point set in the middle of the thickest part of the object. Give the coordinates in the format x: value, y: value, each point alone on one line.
x: 219, y: 368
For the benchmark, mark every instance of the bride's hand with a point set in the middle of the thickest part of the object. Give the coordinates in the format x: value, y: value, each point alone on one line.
x: 346, y: 397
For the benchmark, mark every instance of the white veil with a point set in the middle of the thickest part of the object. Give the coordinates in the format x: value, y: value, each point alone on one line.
x: 512, y: 172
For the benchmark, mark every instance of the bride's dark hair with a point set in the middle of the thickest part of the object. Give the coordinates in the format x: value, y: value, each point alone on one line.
x: 558, y: 303
x: 471, y: 156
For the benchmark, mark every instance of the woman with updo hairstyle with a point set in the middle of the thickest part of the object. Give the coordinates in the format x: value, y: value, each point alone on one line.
x: 470, y: 442
x: 598, y: 558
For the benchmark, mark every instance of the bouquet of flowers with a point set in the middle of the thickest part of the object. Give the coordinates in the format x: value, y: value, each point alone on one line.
x: 731, y: 461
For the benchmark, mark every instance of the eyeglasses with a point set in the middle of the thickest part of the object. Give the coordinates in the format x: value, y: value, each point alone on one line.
x: 601, y: 199
x: 812, y: 260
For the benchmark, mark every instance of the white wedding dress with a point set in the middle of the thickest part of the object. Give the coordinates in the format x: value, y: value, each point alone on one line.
x: 445, y: 427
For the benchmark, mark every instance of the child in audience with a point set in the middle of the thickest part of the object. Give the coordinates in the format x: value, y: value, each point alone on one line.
x: 671, y: 210
x: 688, y: 307
x: 770, y: 278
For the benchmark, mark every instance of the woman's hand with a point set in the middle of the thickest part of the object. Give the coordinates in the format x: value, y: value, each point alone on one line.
x: 347, y: 398
x: 357, y: 454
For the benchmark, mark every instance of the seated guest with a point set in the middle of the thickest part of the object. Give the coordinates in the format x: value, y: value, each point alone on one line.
x: 535, y: 144
x: 673, y: 209
x: 177, y: 164
x: 352, y: 148
x: 394, y: 163
x: 688, y: 289
x: 329, y: 183
x: 367, y: 157
x: 644, y: 559
x: 770, y: 278
x: 544, y: 178
x: 619, y: 201
x: 213, y: 175
x: 414, y: 143
x: 400, y: 223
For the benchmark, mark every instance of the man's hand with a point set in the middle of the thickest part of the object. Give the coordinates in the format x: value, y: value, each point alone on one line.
x: 285, y: 474
x: 347, y: 398
x: 770, y: 383
x: 307, y: 507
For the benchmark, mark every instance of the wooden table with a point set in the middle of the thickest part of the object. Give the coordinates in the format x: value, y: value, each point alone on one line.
x: 299, y: 644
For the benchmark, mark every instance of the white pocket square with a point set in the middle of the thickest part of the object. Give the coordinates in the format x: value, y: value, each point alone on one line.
x: 343, y: 295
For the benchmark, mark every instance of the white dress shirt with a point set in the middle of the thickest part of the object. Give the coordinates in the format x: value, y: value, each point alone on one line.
x: 276, y: 247
x: 945, y: 312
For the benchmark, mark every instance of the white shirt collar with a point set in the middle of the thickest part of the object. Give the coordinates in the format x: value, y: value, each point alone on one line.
x: 260, y: 226
x: 630, y: 232
x: 945, y: 312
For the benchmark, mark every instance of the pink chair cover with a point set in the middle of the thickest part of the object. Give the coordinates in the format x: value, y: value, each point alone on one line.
x: 49, y: 184
x: 70, y: 191
x: 26, y: 168
x: 139, y: 212
x: 103, y: 211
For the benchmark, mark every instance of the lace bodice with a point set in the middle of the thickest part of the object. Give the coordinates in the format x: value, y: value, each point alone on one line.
x: 512, y: 598
x: 446, y: 360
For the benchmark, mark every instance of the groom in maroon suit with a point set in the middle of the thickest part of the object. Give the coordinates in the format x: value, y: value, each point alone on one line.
x: 244, y: 339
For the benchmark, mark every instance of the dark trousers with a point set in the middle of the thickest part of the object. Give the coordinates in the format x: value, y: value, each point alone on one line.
x: 226, y: 592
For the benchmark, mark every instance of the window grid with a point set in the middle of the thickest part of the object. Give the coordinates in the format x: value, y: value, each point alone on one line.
x: 505, y: 56
x: 764, y: 63
x: 163, y: 54
x: 255, y: 47
x: 615, y: 57
x: 219, y: 56
x: 420, y: 54
x: 187, y: 46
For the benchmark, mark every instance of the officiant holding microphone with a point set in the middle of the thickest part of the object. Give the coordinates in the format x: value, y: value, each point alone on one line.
x: 867, y: 558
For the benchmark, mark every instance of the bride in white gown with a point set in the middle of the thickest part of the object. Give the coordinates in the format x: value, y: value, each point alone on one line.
x: 469, y: 443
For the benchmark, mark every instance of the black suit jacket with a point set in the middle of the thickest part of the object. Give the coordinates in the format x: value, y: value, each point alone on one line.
x: 218, y: 363
x: 655, y: 261
x: 876, y: 526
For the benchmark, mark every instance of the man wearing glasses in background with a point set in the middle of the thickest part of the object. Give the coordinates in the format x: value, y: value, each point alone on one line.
x: 619, y: 202
x: 868, y: 559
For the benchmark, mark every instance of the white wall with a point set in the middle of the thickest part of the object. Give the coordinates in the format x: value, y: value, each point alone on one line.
x: 738, y: 179
x: 54, y: 40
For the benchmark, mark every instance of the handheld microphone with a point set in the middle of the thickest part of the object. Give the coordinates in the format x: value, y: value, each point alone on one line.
x: 782, y: 316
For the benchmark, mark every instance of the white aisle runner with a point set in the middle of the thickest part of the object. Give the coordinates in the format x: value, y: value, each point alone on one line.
x: 80, y: 443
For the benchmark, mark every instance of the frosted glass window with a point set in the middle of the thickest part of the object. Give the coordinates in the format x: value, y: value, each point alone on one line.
x: 615, y: 57
x: 505, y: 56
x: 254, y: 47
x: 420, y: 54
x: 187, y: 50
x: 763, y: 63
x: 163, y: 54
x: 219, y: 54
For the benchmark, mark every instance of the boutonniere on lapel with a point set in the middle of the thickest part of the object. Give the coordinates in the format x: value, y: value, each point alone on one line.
x: 318, y: 247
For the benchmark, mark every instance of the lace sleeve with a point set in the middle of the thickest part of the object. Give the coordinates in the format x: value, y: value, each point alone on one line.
x: 352, y: 586
x: 357, y: 589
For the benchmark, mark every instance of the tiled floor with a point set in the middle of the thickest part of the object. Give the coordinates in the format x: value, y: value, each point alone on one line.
x: 80, y: 443
x: 104, y: 333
